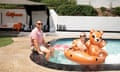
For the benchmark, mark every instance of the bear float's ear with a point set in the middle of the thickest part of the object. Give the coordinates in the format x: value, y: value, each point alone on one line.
x: 92, y: 30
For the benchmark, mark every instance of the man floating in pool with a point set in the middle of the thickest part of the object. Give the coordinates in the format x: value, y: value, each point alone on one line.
x: 89, y: 52
x: 38, y: 42
x: 79, y: 44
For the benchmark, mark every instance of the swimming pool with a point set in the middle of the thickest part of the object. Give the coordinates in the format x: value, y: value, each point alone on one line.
x: 60, y: 62
x: 112, y: 47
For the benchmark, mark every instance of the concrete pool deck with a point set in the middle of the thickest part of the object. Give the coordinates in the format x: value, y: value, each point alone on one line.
x: 15, y: 57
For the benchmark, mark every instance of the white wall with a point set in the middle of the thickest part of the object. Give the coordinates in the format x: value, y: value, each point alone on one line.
x: 83, y: 2
x: 9, y: 21
x: 100, y: 3
x: 116, y: 3
x: 90, y: 22
x: 53, y: 20
x: 84, y: 22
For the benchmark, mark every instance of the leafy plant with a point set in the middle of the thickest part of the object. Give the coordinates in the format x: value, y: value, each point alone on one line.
x: 56, y: 3
x: 103, y: 9
x: 116, y: 11
x: 82, y: 10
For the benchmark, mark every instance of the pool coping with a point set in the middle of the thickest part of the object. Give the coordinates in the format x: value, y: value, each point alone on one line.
x: 65, y: 67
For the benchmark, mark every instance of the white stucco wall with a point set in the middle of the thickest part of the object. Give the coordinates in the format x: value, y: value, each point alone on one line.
x: 83, y: 2
x: 84, y: 22
x: 53, y: 20
x: 90, y: 22
x: 99, y: 3
x: 116, y: 3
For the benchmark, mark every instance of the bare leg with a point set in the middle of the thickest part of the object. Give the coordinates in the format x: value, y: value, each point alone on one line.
x: 51, y: 51
x: 47, y: 51
x: 47, y: 56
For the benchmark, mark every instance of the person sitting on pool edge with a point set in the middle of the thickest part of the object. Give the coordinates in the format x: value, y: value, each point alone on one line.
x: 79, y: 44
x: 38, y: 42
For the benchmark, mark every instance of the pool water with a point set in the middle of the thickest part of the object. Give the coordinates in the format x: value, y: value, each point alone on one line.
x: 112, y: 47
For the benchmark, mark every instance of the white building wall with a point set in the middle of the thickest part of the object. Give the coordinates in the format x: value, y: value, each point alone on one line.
x: 116, y: 3
x: 9, y: 20
x: 90, y: 22
x: 100, y: 3
x: 84, y: 22
x: 53, y: 20
x: 83, y: 2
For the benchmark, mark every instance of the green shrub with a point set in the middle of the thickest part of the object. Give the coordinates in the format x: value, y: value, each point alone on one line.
x: 103, y: 9
x: 56, y: 3
x: 116, y: 11
x: 81, y: 10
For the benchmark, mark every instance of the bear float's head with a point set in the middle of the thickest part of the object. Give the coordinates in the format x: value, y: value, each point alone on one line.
x: 96, y: 43
x: 95, y: 37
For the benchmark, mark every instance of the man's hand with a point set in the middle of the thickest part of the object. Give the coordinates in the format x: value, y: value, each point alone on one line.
x: 47, y: 45
x: 41, y: 53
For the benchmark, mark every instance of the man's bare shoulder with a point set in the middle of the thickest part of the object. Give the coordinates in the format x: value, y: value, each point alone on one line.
x: 76, y: 40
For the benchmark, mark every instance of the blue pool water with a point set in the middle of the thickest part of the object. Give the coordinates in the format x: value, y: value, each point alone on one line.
x: 112, y: 47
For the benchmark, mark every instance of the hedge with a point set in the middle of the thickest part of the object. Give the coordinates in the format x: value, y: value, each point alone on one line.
x: 56, y: 3
x: 75, y: 10
x: 103, y: 9
x: 116, y: 11
x: 69, y: 7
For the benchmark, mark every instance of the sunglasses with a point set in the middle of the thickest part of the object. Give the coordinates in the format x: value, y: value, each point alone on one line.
x: 82, y: 35
x: 40, y: 23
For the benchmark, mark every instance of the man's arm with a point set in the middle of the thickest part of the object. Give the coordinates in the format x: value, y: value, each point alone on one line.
x: 88, y: 44
x: 37, y: 46
x: 74, y: 43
